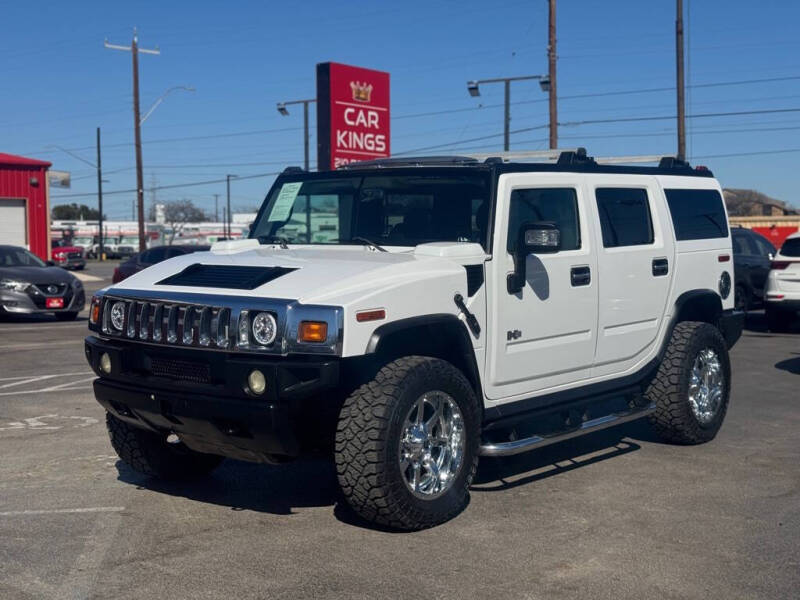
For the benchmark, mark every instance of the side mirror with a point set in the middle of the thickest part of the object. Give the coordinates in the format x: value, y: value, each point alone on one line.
x: 534, y: 238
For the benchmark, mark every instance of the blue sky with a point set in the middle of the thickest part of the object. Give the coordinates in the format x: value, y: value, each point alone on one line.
x: 59, y: 84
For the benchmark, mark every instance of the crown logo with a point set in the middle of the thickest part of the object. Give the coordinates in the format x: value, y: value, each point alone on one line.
x: 361, y: 91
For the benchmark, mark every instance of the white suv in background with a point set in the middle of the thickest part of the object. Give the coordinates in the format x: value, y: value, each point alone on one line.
x: 782, y: 292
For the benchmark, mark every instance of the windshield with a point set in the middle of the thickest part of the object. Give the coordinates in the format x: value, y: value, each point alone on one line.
x: 129, y: 240
x: 385, y: 209
x: 81, y: 241
x: 18, y: 257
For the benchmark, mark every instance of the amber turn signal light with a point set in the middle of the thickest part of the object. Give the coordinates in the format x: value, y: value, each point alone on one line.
x: 94, y: 316
x: 370, y: 315
x: 312, y: 331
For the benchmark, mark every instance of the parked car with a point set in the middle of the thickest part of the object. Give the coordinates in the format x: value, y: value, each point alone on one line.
x: 109, y: 247
x: 783, y: 285
x: 30, y: 285
x: 68, y: 256
x: 140, y: 261
x: 752, y: 253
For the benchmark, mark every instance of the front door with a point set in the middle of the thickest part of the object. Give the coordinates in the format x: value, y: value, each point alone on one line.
x: 543, y: 337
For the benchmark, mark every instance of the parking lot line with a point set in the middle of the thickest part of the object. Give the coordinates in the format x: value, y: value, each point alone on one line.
x: 61, y: 511
x: 42, y: 376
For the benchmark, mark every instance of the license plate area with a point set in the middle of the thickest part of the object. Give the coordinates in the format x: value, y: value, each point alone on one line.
x: 54, y: 303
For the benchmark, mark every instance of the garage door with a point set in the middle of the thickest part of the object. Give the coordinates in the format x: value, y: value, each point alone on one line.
x: 13, y: 222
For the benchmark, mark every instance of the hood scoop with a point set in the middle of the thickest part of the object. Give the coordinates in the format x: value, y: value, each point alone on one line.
x: 225, y: 276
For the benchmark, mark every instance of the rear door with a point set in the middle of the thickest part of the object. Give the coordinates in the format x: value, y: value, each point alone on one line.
x: 544, y: 336
x: 635, y: 265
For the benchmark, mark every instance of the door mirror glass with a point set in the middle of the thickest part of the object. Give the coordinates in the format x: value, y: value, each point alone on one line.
x: 534, y: 238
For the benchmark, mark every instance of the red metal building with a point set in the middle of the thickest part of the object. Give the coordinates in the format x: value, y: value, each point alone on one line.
x: 25, y: 204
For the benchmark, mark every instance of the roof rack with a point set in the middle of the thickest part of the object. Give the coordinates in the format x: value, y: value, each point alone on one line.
x: 571, y: 156
x: 413, y: 161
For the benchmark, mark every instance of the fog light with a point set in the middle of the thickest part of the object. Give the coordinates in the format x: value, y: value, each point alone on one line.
x: 256, y: 382
x: 105, y: 363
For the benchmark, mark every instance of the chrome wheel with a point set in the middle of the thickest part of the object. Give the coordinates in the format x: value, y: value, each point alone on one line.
x: 706, y: 386
x: 431, y: 445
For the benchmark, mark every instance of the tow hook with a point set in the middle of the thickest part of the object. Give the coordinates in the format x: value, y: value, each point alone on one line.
x: 472, y: 322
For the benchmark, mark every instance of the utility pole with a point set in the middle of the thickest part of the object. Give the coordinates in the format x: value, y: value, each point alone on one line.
x: 135, y: 50
x: 216, y: 208
x: 680, y: 86
x: 507, y: 118
x: 100, y: 250
x: 551, y: 59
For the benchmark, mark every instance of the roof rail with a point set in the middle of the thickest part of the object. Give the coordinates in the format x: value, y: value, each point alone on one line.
x: 294, y: 170
x: 673, y: 162
x: 523, y: 156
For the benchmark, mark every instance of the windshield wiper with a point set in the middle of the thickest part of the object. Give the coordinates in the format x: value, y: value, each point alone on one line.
x: 270, y: 239
x: 368, y: 243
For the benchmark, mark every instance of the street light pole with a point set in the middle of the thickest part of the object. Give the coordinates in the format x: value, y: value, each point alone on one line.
x: 680, y: 83
x: 551, y: 60
x: 285, y: 112
x: 474, y: 90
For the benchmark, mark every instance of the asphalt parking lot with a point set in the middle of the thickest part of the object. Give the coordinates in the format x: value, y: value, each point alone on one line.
x: 612, y: 515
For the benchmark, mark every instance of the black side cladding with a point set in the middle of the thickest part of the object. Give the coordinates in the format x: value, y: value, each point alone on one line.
x: 225, y: 276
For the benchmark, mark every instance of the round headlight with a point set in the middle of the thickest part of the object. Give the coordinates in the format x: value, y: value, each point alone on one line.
x: 724, y: 285
x: 118, y: 315
x: 256, y: 382
x: 264, y: 328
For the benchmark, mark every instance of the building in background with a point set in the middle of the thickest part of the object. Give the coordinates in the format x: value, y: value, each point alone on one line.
x: 25, y: 204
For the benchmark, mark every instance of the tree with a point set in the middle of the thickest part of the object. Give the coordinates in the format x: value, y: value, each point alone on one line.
x: 74, y: 212
x: 178, y: 213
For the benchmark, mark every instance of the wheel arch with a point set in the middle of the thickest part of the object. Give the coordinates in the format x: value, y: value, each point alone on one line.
x: 440, y: 336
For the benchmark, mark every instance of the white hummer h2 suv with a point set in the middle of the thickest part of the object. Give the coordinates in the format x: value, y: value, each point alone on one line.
x: 411, y: 315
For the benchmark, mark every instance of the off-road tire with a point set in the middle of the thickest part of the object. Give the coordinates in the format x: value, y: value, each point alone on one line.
x: 778, y: 321
x: 368, y: 439
x: 66, y: 316
x: 150, y: 454
x: 673, y: 419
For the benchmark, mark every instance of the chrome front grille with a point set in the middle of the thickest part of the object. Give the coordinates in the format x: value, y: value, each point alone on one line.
x: 171, y: 323
x: 214, y: 322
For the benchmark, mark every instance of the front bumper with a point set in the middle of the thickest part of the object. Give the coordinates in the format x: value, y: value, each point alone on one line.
x: 23, y: 303
x: 70, y: 263
x: 205, y: 401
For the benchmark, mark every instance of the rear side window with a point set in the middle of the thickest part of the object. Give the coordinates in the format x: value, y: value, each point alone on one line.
x: 554, y: 205
x: 791, y: 247
x: 697, y: 214
x: 624, y: 217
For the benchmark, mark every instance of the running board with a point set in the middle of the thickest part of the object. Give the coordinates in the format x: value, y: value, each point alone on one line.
x: 536, y: 441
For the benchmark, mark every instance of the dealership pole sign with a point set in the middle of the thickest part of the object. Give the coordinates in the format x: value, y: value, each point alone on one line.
x: 352, y: 115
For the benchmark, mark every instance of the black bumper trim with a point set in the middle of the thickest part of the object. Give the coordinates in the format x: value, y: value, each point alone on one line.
x: 242, y: 429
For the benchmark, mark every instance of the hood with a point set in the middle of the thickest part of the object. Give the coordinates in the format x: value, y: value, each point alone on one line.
x: 60, y: 249
x: 309, y: 274
x: 36, y: 274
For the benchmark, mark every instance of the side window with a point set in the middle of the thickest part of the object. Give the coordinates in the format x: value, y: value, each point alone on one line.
x: 555, y: 205
x: 743, y: 245
x: 624, y: 217
x: 697, y: 214
x: 764, y: 247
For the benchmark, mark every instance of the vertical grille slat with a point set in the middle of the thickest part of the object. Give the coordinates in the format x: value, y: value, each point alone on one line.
x: 131, y: 319
x: 223, y: 326
x: 204, y: 326
x: 144, y: 321
x: 158, y: 322
x: 172, y: 325
x: 188, y: 325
